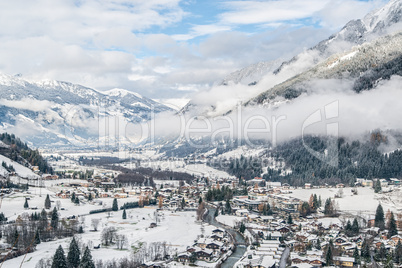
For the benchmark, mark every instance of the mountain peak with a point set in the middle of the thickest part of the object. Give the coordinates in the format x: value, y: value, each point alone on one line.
x: 120, y: 92
x: 386, y: 16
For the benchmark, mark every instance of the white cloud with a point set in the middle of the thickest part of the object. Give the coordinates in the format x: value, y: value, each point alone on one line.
x: 260, y: 12
x: 124, y: 44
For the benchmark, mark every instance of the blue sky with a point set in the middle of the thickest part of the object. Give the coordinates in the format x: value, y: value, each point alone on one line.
x: 160, y: 48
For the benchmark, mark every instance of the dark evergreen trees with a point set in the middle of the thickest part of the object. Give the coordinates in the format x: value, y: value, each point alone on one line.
x: 365, y: 250
x: 392, y: 228
x: 73, y: 255
x: 242, y: 227
x: 329, y: 254
x: 115, y: 206
x: 86, y: 261
x: 379, y: 220
x: 26, y: 203
x: 377, y: 186
x: 290, y: 220
x: 304, y: 209
x: 356, y: 256
x: 54, y: 222
x: 398, y: 253
x: 328, y: 207
x: 59, y: 259
x: 124, y: 214
x: 47, y: 202
x: 355, y: 227
x: 228, y: 207
x: 37, y: 238
x: 2, y: 217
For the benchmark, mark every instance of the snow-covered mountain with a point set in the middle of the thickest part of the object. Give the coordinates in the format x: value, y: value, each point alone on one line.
x: 384, y: 21
x: 251, y: 74
x: 368, y: 58
x: 256, y: 80
x: 54, y: 113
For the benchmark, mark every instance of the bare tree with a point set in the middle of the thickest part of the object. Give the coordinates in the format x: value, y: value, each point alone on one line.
x: 121, y: 241
x: 108, y: 236
x: 95, y: 224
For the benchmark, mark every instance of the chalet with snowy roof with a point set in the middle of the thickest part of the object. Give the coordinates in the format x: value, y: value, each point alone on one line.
x: 344, y: 261
x: 204, y: 254
x: 183, y: 257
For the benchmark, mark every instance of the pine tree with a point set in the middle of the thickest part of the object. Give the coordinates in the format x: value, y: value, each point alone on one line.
x: 290, y: 220
x: 183, y: 203
x: 329, y: 254
x: 348, y: 228
x: 73, y: 256
x: 228, y: 208
x: 392, y: 228
x: 90, y: 197
x: 377, y: 186
x: 59, y: 259
x: 55, y: 219
x: 365, y: 250
x: 356, y: 256
x: 47, y: 202
x: 355, y: 227
x: 86, y: 261
x: 37, y: 238
x: 73, y: 197
x: 77, y: 201
x: 124, y: 214
x: 398, y: 253
x: 115, y: 206
x: 242, y: 227
x: 26, y: 204
x: 379, y: 220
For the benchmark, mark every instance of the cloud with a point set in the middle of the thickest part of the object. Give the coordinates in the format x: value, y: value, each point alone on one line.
x: 157, y: 47
x: 354, y: 114
x: 261, y: 12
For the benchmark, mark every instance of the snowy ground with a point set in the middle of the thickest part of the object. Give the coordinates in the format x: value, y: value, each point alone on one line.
x: 229, y: 220
x: 19, y: 169
x: 177, y: 229
x: 366, y: 201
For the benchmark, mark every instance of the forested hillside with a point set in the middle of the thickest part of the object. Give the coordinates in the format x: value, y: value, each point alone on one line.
x: 19, y: 151
x: 354, y: 159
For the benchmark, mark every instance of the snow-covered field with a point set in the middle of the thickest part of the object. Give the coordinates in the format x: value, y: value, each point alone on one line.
x: 229, y: 220
x: 366, y: 201
x: 177, y: 229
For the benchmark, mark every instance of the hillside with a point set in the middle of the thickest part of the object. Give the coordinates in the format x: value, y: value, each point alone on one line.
x: 17, y: 157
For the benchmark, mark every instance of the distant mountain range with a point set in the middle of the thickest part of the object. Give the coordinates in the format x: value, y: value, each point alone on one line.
x: 54, y: 113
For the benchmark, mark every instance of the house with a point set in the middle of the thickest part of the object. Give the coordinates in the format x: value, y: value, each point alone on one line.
x: 218, y: 231
x: 183, y: 257
x: 214, y: 245
x: 261, y: 262
x: 204, y: 254
x: 242, y: 212
x: 344, y: 261
x: 307, y: 186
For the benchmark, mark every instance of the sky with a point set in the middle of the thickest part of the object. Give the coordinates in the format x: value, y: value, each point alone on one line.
x: 161, y: 49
